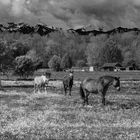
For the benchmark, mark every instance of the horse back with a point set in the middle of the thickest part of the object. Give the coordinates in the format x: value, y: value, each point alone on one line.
x: 90, y: 85
x: 40, y: 80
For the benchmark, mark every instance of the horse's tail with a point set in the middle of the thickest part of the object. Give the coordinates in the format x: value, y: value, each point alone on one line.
x: 82, y: 94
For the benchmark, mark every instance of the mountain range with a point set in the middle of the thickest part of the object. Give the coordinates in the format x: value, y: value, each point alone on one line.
x: 43, y: 29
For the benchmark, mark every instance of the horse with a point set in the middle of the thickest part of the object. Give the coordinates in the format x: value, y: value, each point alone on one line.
x: 68, y: 82
x: 100, y: 85
x: 41, y: 82
x: 48, y: 74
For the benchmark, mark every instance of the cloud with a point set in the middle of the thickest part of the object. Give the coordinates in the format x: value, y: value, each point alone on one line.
x: 107, y: 13
x: 73, y: 13
x: 5, y: 2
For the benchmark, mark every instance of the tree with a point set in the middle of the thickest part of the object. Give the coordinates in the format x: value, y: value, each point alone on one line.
x: 110, y: 53
x: 6, y: 56
x: 19, y: 49
x: 54, y: 63
x: 81, y: 63
x: 128, y: 57
x: 93, y: 50
x: 66, y: 62
x: 24, y: 66
x: 37, y: 61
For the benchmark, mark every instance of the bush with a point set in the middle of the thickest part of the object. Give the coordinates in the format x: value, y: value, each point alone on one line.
x: 54, y: 63
x: 24, y: 66
x: 66, y: 62
x: 81, y: 63
x: 19, y: 49
x: 110, y: 53
x: 35, y: 59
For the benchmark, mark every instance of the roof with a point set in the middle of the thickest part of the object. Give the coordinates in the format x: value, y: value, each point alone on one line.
x: 111, y: 65
x: 75, y: 68
x: 85, y: 67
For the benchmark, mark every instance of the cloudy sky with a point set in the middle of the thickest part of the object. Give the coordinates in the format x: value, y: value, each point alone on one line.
x: 72, y: 13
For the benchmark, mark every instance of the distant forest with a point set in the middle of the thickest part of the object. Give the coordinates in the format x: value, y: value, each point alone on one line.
x: 67, y: 48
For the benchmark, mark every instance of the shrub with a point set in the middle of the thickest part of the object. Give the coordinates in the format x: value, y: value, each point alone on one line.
x: 110, y: 53
x: 24, y: 66
x: 37, y: 61
x: 66, y: 62
x: 19, y: 49
x: 54, y: 63
x: 81, y: 63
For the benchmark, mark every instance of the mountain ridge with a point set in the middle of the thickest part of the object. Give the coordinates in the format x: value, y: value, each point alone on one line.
x: 43, y: 29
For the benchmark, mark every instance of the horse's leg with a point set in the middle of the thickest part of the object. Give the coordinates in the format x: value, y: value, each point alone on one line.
x: 70, y: 90
x: 103, y: 98
x: 85, y: 102
x: 39, y: 88
x: 45, y: 88
x: 65, y: 89
x: 86, y: 97
x: 103, y: 95
x: 35, y: 88
x: 82, y: 94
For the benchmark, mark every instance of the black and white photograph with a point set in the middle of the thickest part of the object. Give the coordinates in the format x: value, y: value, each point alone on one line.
x: 69, y: 69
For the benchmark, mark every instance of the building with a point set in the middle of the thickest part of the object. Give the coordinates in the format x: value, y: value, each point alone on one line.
x: 91, y: 68
x: 111, y: 67
x: 85, y: 68
x: 76, y: 69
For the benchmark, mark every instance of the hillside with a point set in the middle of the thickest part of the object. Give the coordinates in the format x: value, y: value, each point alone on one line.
x: 67, y: 48
x: 43, y: 29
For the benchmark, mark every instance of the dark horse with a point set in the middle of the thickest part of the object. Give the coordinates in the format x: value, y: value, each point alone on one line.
x: 68, y: 82
x: 100, y: 85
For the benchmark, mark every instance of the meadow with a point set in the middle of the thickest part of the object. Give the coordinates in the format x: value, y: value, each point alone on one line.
x: 78, y: 76
x: 25, y: 115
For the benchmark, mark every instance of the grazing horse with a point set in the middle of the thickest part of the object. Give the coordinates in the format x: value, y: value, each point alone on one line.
x: 100, y: 85
x: 68, y: 82
x: 40, y: 82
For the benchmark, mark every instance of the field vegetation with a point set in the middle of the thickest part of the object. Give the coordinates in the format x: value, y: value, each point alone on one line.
x: 41, y: 116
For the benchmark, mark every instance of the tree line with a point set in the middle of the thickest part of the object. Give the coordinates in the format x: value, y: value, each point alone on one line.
x: 61, y: 50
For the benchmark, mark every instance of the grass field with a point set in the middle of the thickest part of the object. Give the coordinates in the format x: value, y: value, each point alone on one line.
x: 124, y: 75
x: 44, y: 116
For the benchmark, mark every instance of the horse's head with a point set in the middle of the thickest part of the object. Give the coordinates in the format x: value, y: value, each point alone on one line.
x: 71, y: 74
x: 116, y: 83
x: 47, y: 74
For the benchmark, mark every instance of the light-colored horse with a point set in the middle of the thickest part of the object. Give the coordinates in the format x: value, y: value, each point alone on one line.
x: 40, y: 82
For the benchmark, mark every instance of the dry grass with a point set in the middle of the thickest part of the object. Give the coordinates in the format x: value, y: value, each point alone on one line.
x: 25, y: 115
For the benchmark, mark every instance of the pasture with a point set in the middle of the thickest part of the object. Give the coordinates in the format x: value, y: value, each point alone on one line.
x: 125, y: 75
x: 41, y: 116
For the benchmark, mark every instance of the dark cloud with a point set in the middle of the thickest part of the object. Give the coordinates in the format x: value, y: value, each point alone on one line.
x: 108, y: 13
x: 73, y: 13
